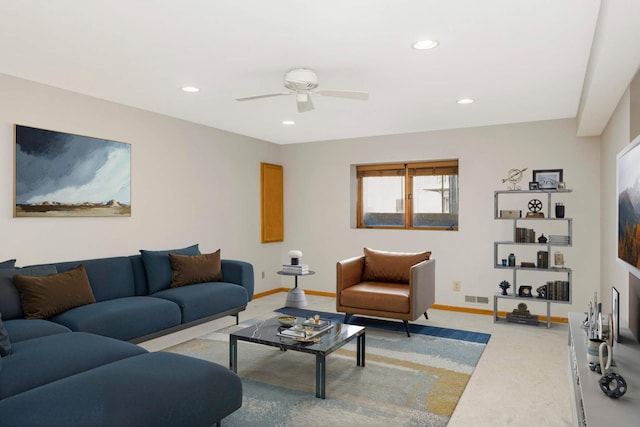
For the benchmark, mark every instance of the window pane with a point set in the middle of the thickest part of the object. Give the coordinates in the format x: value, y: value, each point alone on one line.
x: 383, y: 201
x: 435, y: 201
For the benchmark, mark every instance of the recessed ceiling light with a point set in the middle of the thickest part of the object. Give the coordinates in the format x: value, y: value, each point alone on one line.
x: 190, y: 89
x: 465, y: 101
x: 288, y: 122
x: 425, y: 44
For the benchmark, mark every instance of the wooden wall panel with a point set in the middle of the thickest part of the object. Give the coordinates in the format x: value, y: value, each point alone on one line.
x: 272, y: 203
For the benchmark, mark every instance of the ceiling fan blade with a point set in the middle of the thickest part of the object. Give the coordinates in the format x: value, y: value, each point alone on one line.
x: 351, y: 94
x: 267, y: 95
x: 304, y: 102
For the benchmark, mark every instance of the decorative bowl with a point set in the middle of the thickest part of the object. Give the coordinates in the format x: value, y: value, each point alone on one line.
x: 287, y: 320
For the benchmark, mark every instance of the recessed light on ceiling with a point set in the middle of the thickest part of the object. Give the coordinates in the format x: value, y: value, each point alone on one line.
x: 465, y: 101
x: 288, y: 122
x: 425, y: 44
x: 190, y: 89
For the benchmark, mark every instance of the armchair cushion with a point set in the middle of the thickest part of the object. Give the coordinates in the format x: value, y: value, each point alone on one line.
x: 382, y: 266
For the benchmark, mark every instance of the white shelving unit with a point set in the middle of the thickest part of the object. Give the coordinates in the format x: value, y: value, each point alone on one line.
x: 542, y: 246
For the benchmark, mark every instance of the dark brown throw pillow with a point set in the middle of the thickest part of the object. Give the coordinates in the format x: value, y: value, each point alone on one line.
x: 188, y: 270
x: 381, y: 266
x: 46, y: 296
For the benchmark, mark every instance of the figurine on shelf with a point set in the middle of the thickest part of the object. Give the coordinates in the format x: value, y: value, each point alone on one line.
x: 542, y: 239
x: 504, y: 285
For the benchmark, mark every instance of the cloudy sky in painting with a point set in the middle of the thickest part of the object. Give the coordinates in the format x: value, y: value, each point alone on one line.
x: 57, y: 167
x: 628, y: 175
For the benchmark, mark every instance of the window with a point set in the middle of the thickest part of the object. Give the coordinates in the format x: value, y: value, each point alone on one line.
x: 421, y: 195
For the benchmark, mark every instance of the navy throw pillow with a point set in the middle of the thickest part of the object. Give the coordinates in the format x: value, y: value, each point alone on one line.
x: 158, y: 266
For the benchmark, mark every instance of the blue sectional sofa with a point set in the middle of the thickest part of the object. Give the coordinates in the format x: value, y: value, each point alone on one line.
x: 81, y: 367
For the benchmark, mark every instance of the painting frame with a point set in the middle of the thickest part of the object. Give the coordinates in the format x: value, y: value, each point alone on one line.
x: 628, y: 210
x: 548, y: 179
x: 59, y: 174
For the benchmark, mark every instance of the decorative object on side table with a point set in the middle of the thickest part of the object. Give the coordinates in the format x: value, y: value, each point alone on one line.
x: 535, y: 206
x: 295, y: 256
x: 504, y: 285
x: 522, y: 315
x: 514, y: 176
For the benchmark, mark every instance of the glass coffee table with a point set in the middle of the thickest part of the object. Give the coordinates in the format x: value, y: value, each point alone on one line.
x: 324, y: 344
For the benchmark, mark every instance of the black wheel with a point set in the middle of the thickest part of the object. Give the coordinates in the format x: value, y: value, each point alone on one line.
x: 535, y: 205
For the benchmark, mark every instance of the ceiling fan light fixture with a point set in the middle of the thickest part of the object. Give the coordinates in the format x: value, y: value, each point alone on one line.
x: 425, y: 44
x: 190, y: 89
x: 464, y: 101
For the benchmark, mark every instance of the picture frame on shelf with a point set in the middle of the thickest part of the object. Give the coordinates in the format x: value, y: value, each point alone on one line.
x: 547, y: 179
x: 533, y: 185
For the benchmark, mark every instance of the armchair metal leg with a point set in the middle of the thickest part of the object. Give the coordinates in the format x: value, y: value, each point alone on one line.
x: 406, y: 326
x: 425, y: 315
x: 347, y: 316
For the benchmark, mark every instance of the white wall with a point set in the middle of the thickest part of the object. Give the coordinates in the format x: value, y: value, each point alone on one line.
x: 190, y: 184
x: 317, y: 204
x: 614, y: 139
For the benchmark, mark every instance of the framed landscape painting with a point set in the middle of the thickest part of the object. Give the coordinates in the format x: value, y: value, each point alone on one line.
x: 629, y: 206
x: 60, y: 174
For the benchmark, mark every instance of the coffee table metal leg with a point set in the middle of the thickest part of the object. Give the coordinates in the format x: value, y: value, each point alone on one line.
x: 233, y: 354
x: 321, y: 375
x: 360, y: 355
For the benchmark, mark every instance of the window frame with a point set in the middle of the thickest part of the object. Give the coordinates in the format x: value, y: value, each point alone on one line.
x: 409, y: 170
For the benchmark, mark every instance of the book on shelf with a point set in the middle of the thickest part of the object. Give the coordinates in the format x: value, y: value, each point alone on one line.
x: 525, y: 235
x: 559, y: 240
x: 542, y: 259
x: 556, y: 290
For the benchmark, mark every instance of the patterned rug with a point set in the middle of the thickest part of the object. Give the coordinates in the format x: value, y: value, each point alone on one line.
x: 413, y: 381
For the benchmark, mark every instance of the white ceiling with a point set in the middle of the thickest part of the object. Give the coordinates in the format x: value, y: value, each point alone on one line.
x: 521, y: 60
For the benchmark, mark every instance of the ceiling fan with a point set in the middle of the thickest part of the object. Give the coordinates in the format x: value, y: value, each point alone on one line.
x: 302, y: 82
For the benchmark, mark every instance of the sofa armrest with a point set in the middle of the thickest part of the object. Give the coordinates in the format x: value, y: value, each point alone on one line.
x: 348, y: 273
x: 240, y: 273
x: 423, y: 287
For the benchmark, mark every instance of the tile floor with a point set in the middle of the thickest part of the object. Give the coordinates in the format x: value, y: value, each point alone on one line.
x: 521, y: 379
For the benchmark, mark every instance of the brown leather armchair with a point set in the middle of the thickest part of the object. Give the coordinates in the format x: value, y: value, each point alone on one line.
x: 386, y: 284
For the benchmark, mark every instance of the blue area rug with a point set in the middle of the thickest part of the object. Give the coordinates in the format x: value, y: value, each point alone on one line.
x: 397, y: 325
x: 407, y: 382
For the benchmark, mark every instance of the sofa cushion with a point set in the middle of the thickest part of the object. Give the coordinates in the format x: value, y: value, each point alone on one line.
x: 381, y: 266
x: 123, y: 318
x: 205, y: 299
x: 10, y: 305
x: 26, y: 329
x: 10, y: 263
x: 110, y: 277
x: 187, y: 270
x: 42, y: 360
x: 46, y: 296
x: 158, y: 267
x: 5, y: 342
x: 156, y: 389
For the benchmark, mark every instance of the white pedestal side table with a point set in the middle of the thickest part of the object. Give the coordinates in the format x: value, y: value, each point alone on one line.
x: 296, y: 297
